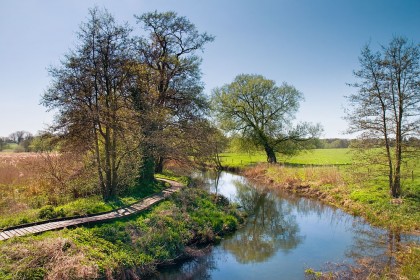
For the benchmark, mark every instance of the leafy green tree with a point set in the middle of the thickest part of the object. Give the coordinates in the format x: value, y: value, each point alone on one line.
x: 262, y: 113
x: 169, y: 92
x: 386, y: 108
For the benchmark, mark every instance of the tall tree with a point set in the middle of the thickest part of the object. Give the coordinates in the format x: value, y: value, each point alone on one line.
x: 91, y: 92
x: 169, y: 92
x: 386, y: 108
x: 262, y: 113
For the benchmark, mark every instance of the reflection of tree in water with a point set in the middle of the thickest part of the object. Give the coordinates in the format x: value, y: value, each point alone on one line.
x: 378, y: 244
x: 208, y: 180
x: 270, y: 227
x: 373, y: 251
x: 310, y: 206
x: 197, y: 268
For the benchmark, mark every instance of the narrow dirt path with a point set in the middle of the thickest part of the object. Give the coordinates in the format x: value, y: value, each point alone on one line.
x: 119, y: 213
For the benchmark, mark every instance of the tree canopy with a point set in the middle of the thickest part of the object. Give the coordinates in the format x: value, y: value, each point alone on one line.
x: 130, y: 102
x: 91, y: 91
x: 169, y: 92
x: 263, y: 113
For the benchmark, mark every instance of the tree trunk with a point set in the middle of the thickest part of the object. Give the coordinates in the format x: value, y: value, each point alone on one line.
x: 159, y: 164
x: 114, y: 169
x: 271, y: 155
x: 101, y: 182
x: 108, y: 178
x: 396, y: 184
x: 147, y: 170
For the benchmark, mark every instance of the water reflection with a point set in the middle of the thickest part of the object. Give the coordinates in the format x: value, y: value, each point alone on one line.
x: 271, y: 226
x: 198, y: 268
x: 378, y: 245
x: 284, y: 235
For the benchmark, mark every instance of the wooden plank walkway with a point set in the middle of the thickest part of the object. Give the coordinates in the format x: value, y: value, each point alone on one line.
x: 122, y: 212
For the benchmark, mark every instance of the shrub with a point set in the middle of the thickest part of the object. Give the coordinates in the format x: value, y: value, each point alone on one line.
x: 49, y: 212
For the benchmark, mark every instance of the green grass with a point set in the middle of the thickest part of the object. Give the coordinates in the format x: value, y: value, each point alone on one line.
x: 10, y: 147
x: 349, y: 188
x: 311, y: 157
x: 167, y: 174
x: 81, y: 206
x: 132, y: 246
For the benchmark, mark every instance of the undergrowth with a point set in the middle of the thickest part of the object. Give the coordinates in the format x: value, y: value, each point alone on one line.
x: 124, y: 249
x: 79, y: 207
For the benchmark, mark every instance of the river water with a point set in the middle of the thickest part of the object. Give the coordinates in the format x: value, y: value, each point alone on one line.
x: 284, y: 235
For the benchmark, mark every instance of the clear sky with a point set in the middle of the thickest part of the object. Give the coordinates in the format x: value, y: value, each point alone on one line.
x: 311, y: 44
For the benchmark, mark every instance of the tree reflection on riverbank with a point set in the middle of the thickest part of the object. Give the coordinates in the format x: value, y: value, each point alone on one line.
x: 270, y: 227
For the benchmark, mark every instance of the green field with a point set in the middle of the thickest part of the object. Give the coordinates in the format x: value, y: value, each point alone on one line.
x: 9, y: 148
x: 312, y: 157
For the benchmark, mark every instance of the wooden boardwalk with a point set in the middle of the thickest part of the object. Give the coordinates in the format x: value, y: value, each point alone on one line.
x: 122, y: 212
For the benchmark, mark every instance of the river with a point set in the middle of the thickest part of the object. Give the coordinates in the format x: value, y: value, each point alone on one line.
x: 285, y: 235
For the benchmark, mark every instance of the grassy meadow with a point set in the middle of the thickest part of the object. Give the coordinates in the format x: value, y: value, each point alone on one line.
x: 128, y: 248
x: 312, y: 157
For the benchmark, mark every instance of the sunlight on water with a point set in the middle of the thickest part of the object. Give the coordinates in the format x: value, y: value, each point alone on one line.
x: 283, y: 236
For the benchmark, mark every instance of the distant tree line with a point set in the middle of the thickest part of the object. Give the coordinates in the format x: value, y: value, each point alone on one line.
x: 21, y: 138
x: 333, y: 143
x: 24, y: 141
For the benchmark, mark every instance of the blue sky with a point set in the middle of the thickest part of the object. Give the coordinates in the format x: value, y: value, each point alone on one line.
x: 311, y: 44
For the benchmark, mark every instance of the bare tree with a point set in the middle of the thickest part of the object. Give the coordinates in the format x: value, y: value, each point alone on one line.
x: 386, y: 108
x: 91, y: 92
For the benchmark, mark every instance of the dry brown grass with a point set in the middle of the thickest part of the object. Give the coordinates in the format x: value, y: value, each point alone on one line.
x: 31, y: 180
x: 294, y: 177
x: 323, y: 183
x: 59, y: 258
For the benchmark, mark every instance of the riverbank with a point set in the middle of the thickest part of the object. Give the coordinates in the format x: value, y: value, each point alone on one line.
x: 334, y: 187
x: 129, y: 248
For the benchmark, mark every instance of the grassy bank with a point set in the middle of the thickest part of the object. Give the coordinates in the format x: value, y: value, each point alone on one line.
x: 331, y: 176
x: 367, y: 197
x: 130, y: 248
x: 339, y: 187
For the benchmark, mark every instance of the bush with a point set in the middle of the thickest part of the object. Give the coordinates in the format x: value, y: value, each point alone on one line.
x: 49, y: 212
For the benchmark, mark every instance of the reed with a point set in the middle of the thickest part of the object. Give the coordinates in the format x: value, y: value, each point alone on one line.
x: 32, y: 180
